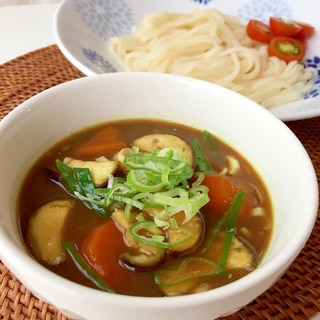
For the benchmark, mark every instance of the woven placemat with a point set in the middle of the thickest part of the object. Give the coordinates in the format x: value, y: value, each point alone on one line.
x: 295, y: 296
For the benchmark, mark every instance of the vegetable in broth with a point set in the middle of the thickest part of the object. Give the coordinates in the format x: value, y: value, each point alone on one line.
x: 158, y: 209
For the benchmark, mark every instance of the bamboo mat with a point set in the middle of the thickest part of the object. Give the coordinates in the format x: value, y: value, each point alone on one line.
x: 295, y: 296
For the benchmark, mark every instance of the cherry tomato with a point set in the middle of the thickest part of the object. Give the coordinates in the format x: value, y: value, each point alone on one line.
x: 306, y: 31
x: 281, y: 27
x: 259, y: 31
x: 287, y: 49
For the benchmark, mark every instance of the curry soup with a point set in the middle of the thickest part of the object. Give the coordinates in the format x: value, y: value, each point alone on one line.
x: 145, y: 208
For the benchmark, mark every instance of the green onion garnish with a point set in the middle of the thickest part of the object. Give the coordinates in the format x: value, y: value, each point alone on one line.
x: 155, y: 239
x: 155, y: 180
x: 207, y: 135
x: 233, y: 211
x: 80, y: 183
x: 85, y: 268
x: 200, y: 158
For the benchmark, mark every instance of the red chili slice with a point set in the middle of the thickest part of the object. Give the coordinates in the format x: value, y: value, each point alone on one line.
x: 287, y: 49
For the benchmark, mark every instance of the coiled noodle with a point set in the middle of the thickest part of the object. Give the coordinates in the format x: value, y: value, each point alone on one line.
x: 212, y: 46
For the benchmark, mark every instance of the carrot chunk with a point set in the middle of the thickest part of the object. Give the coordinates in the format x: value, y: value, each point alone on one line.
x: 102, y: 250
x: 221, y: 192
x: 107, y: 141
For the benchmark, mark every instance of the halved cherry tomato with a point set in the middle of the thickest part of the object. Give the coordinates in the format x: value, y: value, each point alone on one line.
x: 287, y: 49
x: 306, y: 31
x: 259, y: 31
x: 281, y: 27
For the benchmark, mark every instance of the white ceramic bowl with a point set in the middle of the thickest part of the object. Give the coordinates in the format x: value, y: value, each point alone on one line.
x: 29, y: 130
x: 83, y: 27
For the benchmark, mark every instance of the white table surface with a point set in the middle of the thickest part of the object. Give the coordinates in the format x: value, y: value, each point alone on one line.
x: 28, y: 27
x: 25, y: 28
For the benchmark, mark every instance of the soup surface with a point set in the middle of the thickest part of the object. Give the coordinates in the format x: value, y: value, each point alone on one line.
x: 145, y: 208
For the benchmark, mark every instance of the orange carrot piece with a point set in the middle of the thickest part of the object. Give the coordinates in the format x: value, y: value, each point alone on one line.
x: 102, y: 250
x: 221, y: 192
x: 107, y: 141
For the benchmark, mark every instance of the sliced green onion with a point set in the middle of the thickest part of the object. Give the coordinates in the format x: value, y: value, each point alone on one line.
x: 80, y: 183
x: 138, y: 180
x: 189, y: 269
x: 152, y: 228
x: 200, y: 157
x: 198, y: 197
x: 134, y: 203
x: 187, y: 201
x: 85, y: 268
x: 83, y: 175
x: 140, y: 217
x: 165, y: 175
x: 234, y: 211
x: 156, y: 240
x: 120, y: 192
x: 214, y: 233
x: 173, y: 223
x: 155, y: 165
x: 155, y: 180
x: 160, y: 223
x: 206, y: 134
x: 199, y: 176
x: 171, y: 153
x: 174, y: 197
x: 147, y: 198
x: 144, y: 198
x: 68, y: 176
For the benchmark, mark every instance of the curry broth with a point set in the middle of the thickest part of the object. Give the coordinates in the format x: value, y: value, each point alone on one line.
x: 38, y: 189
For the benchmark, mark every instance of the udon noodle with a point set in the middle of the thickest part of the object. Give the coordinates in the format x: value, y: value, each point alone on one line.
x: 212, y: 46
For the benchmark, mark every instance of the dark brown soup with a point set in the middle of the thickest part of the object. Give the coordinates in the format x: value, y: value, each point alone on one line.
x: 145, y: 208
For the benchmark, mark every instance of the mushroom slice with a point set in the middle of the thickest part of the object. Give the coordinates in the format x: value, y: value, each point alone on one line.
x: 120, y: 156
x: 233, y: 166
x: 185, y: 278
x: 150, y: 143
x: 143, y: 260
x: 141, y: 255
x: 190, y: 230
x: 240, y: 257
x: 241, y: 254
x: 45, y: 231
x: 99, y: 169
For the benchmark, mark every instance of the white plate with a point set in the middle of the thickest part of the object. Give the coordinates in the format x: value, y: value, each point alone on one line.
x: 82, y: 28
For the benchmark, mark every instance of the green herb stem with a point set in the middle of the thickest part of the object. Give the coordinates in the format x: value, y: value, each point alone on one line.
x: 207, y: 135
x: 85, y: 268
x: 233, y: 215
x: 200, y: 157
x: 80, y: 182
x: 214, y: 233
x: 156, y: 239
